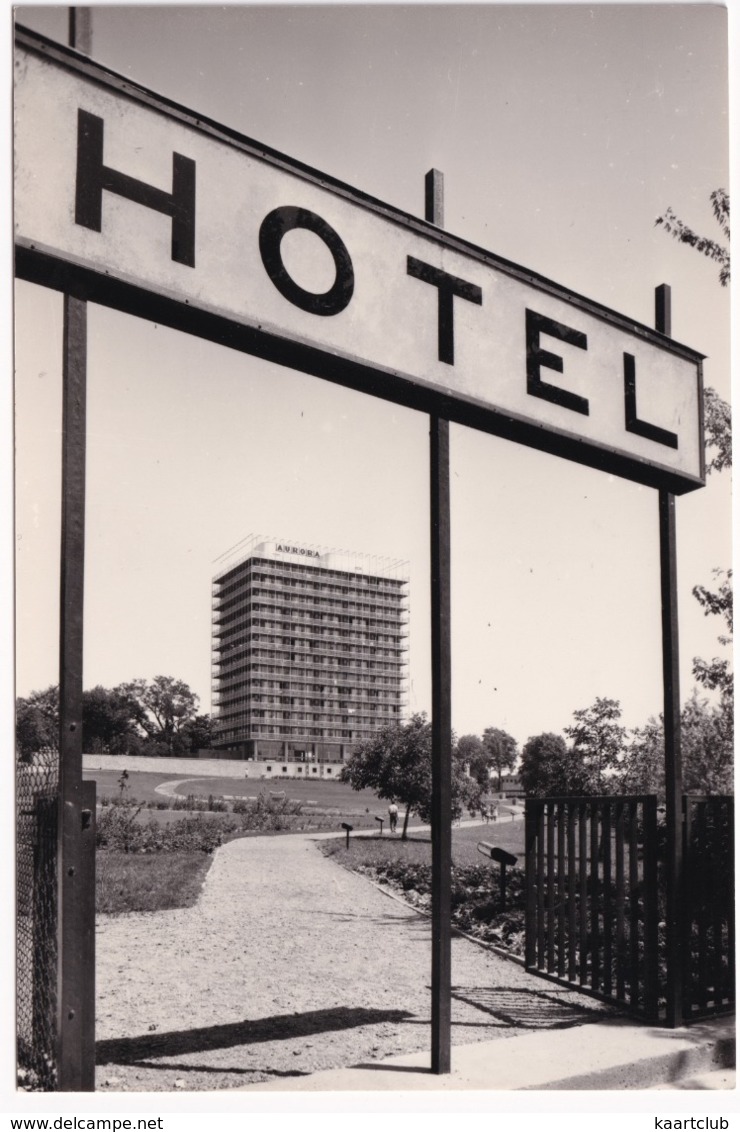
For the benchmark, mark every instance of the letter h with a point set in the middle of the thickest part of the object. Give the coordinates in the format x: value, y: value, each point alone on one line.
x: 93, y: 176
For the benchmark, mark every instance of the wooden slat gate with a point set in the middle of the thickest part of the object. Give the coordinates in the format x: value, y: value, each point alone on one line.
x: 592, y: 896
x: 595, y: 903
x: 709, y: 924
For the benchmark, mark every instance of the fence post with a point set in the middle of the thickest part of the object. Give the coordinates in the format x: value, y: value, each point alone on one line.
x: 530, y: 880
x: 672, y: 723
x: 650, y: 884
x: 439, y: 492
x: 76, y: 836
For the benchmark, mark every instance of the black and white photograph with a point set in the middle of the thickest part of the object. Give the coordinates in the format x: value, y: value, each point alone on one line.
x: 370, y: 571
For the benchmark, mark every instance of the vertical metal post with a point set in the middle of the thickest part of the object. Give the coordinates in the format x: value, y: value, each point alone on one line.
x: 76, y: 844
x: 530, y: 882
x: 672, y: 723
x: 80, y: 29
x: 434, y: 192
x: 441, y: 708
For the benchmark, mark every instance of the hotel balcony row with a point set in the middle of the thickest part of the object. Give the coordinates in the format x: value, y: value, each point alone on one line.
x: 316, y: 638
x: 242, y: 663
x: 234, y: 731
x: 338, y: 703
x: 309, y: 614
x: 277, y: 609
x: 309, y: 727
x: 385, y: 688
x: 317, y: 654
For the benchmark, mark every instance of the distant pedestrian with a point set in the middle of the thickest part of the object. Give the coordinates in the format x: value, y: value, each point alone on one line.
x: 495, y: 813
x: 393, y: 816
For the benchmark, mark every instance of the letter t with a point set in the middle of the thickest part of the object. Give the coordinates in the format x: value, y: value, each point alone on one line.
x: 448, y: 286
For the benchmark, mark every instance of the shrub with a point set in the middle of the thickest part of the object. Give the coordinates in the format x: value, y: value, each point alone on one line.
x: 118, y: 829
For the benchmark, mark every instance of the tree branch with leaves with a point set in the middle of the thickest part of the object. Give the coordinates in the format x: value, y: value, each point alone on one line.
x: 719, y: 253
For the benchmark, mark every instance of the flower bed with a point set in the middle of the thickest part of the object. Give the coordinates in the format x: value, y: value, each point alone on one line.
x: 475, y: 898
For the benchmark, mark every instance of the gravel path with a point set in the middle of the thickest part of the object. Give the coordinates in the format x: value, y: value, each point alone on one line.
x: 289, y: 964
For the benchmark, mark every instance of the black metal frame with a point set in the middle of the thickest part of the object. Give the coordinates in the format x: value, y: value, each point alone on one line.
x: 80, y: 283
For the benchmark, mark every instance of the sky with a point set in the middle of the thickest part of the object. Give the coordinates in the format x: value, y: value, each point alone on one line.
x: 562, y: 133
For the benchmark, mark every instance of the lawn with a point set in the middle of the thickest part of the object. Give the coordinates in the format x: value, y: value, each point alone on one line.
x: 140, y: 785
x: 318, y: 794
x: 134, y: 882
x: 417, y: 849
x: 172, y: 876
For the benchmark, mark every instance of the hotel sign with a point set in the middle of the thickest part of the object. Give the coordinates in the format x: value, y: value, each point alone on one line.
x: 127, y: 200
x: 281, y: 548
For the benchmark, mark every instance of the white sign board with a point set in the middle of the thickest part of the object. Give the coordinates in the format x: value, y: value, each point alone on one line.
x: 116, y: 183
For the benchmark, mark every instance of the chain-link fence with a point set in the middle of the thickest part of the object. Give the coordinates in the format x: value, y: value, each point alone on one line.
x: 37, y: 789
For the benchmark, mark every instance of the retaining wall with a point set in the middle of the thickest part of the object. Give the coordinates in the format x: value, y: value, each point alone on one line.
x: 212, y: 768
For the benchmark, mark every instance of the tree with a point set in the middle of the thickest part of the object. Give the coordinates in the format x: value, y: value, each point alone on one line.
x: 717, y: 413
x: 598, y: 740
x: 37, y: 722
x: 199, y: 732
x: 164, y: 707
x: 717, y: 430
x: 706, y: 752
x: 502, y: 750
x: 719, y: 253
x: 109, y: 721
x: 707, y: 747
x: 717, y: 673
x: 549, y: 769
x: 642, y: 770
x: 397, y: 764
x: 472, y: 755
x: 712, y: 729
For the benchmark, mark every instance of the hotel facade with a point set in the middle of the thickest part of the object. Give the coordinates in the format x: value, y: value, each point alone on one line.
x: 309, y: 653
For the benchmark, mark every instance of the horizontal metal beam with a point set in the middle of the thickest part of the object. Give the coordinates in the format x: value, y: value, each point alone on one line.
x: 37, y: 265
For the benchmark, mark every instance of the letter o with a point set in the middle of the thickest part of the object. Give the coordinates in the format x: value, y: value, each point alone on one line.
x: 273, y: 228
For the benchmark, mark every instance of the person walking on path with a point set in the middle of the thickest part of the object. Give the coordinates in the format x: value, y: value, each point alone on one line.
x: 393, y: 816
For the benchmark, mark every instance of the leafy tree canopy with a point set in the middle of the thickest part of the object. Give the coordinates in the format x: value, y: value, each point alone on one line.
x: 717, y: 413
x: 470, y: 753
x: 598, y: 740
x: 548, y: 768
x: 717, y: 431
x: 37, y: 722
x: 717, y: 673
x: 706, y: 750
x: 397, y: 764
x: 109, y: 721
x: 716, y: 251
x: 165, y: 705
x: 502, y: 750
x: 137, y: 718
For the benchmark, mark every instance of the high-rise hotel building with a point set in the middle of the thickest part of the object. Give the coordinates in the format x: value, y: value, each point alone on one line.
x: 309, y: 651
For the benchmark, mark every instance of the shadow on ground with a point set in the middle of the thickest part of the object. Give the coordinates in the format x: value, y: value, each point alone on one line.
x: 528, y: 1009
x: 134, y: 1051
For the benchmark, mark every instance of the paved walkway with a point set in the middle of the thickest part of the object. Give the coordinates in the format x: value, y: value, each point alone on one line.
x: 289, y: 965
